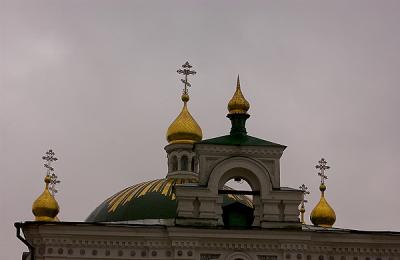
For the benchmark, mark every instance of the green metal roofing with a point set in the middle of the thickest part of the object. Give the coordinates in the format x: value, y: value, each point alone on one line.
x: 153, y: 199
x: 240, y: 140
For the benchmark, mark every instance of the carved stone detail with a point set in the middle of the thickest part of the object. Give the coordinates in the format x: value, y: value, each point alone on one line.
x: 267, y: 257
x: 209, y: 256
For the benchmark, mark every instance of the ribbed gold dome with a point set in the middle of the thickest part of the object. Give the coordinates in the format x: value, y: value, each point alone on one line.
x: 45, y: 207
x: 238, y: 104
x: 323, y: 215
x: 184, y: 129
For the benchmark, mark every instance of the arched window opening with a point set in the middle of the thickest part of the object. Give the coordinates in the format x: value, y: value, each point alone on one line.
x: 174, y: 162
x: 184, y: 163
x: 240, y: 184
x: 237, y: 206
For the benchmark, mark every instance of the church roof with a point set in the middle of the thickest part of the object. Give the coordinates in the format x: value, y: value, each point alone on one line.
x: 153, y: 199
x: 240, y: 140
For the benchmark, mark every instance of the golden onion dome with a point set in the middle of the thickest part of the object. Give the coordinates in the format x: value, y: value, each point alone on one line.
x: 238, y: 104
x: 323, y: 215
x: 45, y: 207
x: 184, y: 129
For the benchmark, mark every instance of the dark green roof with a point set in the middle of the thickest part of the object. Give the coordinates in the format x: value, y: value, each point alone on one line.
x: 240, y: 140
x: 153, y: 199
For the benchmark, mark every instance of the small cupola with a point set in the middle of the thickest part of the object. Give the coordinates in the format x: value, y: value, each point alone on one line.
x: 182, y: 134
x: 45, y: 207
x: 184, y: 129
x: 323, y: 214
x: 238, y: 103
x: 237, y: 108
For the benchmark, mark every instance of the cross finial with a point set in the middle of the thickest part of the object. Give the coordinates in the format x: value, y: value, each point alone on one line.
x: 322, y: 167
x: 186, y: 71
x: 49, y: 157
x: 305, y: 191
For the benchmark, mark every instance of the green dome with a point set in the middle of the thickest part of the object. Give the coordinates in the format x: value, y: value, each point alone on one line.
x: 148, y: 200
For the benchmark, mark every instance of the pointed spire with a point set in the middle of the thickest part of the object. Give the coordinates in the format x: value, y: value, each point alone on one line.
x: 323, y: 214
x: 45, y: 207
x: 238, y: 103
x: 238, y: 107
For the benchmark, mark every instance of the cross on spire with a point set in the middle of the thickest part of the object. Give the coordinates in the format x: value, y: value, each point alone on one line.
x: 322, y: 167
x: 49, y: 157
x: 305, y: 191
x: 302, y: 209
x: 186, y: 71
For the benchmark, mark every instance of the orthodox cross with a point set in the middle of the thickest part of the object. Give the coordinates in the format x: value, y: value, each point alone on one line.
x: 322, y: 167
x: 305, y: 191
x: 186, y: 71
x: 49, y: 158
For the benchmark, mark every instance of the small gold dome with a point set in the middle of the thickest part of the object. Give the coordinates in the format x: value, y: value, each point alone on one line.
x: 238, y: 104
x: 323, y: 215
x: 184, y: 129
x: 45, y: 207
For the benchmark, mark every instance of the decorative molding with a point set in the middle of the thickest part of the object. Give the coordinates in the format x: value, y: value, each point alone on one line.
x: 333, y: 247
x: 234, y: 150
x: 267, y: 257
x: 209, y: 256
x: 56, y: 241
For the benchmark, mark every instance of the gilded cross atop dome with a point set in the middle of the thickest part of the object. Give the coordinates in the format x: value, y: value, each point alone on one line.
x: 49, y: 158
x: 305, y: 191
x: 186, y: 71
x: 322, y: 167
x: 184, y: 129
x: 323, y: 214
x: 45, y: 207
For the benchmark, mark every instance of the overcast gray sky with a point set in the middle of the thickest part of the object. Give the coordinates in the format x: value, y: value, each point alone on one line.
x: 96, y: 81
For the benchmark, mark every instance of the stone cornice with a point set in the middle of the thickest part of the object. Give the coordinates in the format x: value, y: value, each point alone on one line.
x: 239, y: 150
x: 122, y: 241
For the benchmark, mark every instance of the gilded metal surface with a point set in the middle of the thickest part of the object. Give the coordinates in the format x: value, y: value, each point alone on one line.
x: 184, y: 129
x: 323, y: 215
x: 238, y: 104
x: 161, y: 186
x: 305, y: 191
x: 45, y: 207
x: 302, y: 210
x: 240, y: 198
